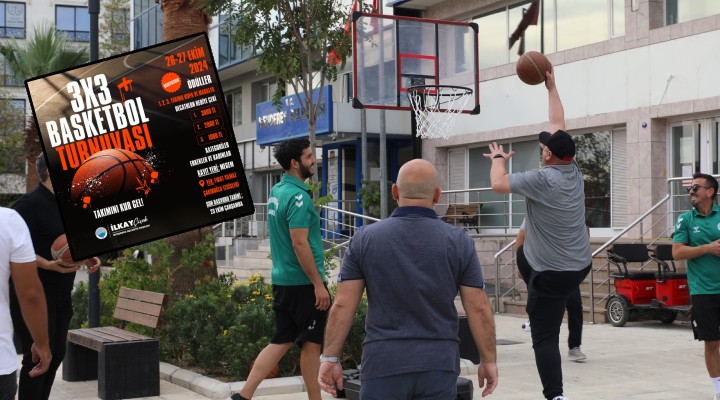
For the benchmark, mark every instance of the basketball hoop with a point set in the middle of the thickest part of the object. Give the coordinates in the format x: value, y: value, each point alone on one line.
x: 437, y: 107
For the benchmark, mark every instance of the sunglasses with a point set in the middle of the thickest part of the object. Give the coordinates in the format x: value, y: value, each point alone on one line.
x: 695, y: 188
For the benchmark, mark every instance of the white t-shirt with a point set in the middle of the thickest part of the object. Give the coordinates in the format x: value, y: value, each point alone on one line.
x: 15, y: 246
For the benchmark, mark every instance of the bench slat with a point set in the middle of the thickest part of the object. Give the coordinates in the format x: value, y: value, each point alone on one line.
x: 151, y: 321
x: 95, y: 338
x: 142, y: 295
x: 139, y: 306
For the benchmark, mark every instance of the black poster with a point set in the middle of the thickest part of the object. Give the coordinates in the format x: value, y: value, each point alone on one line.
x: 140, y: 146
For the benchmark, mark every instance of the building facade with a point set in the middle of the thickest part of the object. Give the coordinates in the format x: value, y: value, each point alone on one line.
x: 637, y: 81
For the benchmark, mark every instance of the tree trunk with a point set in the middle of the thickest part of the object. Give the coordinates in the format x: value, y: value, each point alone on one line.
x: 32, y: 149
x: 183, y: 19
x: 184, y: 278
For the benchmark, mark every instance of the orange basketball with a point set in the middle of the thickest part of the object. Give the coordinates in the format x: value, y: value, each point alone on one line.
x: 109, y: 173
x: 531, y: 67
x: 61, y: 251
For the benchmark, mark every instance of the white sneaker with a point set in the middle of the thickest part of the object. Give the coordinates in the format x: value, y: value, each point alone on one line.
x: 560, y: 398
x: 576, y: 355
x: 526, y: 326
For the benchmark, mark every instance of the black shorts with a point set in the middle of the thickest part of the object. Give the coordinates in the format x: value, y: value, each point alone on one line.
x: 296, y: 318
x: 706, y: 316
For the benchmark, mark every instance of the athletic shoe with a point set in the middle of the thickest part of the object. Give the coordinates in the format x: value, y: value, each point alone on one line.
x: 526, y: 326
x: 560, y: 398
x: 576, y: 355
x: 236, y: 396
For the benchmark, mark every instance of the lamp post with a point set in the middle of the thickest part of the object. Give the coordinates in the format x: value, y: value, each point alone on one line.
x: 94, y: 278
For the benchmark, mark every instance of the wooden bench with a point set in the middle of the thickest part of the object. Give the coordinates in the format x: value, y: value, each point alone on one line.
x: 467, y: 214
x: 126, y: 364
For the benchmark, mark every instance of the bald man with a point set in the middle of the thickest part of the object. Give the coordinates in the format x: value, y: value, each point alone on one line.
x: 412, y: 266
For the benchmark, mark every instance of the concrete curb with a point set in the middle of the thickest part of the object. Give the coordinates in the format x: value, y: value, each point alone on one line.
x: 215, y: 389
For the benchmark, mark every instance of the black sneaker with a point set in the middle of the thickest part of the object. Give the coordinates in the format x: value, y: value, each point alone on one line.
x: 237, y: 396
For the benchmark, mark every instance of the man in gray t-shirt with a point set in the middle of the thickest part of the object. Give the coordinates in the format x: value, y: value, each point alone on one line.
x: 556, y: 255
x: 412, y: 266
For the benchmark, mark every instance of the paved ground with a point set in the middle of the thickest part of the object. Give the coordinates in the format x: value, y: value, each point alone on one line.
x: 641, y: 361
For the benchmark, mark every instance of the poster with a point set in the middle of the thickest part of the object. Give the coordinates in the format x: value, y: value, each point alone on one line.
x: 139, y: 146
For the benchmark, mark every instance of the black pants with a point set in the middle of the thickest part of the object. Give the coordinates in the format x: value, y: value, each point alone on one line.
x: 59, y: 314
x: 548, y: 294
x: 575, y: 319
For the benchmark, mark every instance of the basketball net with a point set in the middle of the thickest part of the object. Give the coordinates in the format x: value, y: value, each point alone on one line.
x: 436, y: 108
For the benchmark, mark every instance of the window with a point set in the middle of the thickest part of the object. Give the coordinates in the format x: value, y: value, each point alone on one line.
x: 147, y: 23
x: 603, y: 171
x: 262, y: 91
x: 74, y: 22
x: 563, y: 24
x: 346, y: 92
x: 234, y: 105
x: 593, y: 157
x: 230, y: 52
x: 12, y: 19
x: 119, y: 33
x: 7, y: 75
x: 677, y: 11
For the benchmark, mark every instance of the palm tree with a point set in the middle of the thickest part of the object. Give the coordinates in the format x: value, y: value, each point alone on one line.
x: 46, y: 51
x: 182, y: 18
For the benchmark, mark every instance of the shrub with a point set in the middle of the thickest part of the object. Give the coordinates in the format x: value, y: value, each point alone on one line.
x: 220, y: 327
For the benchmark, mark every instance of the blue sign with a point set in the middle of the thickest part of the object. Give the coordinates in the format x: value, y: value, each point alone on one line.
x: 286, y: 120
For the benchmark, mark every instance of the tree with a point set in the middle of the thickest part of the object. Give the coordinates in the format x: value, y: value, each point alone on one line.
x: 183, y: 18
x: 46, y: 51
x: 292, y: 39
x: 12, y: 164
x: 114, y: 28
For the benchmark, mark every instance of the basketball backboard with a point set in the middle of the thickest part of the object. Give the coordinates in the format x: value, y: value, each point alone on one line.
x: 392, y: 53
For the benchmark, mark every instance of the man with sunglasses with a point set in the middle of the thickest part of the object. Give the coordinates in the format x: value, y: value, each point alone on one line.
x: 556, y: 255
x: 697, y: 240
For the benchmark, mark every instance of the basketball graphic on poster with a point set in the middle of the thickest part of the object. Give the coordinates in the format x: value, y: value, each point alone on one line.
x: 110, y: 173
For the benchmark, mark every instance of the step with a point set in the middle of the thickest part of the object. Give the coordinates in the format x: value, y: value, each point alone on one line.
x: 250, y: 263
x: 518, y: 308
x: 259, y: 253
x: 243, y: 274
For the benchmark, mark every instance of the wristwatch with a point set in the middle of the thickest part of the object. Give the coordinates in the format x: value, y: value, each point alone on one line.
x: 330, y: 359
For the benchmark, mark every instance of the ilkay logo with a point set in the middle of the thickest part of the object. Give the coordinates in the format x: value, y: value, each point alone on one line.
x: 101, y: 233
x: 129, y: 226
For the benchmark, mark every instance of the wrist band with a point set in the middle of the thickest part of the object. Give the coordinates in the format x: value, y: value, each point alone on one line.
x: 498, y: 156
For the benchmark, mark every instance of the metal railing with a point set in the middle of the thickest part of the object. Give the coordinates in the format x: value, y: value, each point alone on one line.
x: 658, y: 230
x: 339, y: 224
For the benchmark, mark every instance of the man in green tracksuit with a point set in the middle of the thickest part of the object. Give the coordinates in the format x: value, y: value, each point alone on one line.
x: 300, y: 296
x: 697, y: 240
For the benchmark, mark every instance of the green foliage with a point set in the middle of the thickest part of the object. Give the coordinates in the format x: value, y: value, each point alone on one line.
x: 12, y: 122
x: 291, y: 40
x: 370, y: 198
x: 114, y: 28
x: 44, y: 52
x: 220, y: 327
x: 80, y: 306
x: 315, y: 187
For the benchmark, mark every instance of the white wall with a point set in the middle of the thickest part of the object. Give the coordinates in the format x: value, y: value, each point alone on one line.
x: 614, y: 82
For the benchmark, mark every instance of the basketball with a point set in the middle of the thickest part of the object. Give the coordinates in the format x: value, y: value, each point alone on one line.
x: 110, y: 173
x: 531, y: 67
x: 61, y: 252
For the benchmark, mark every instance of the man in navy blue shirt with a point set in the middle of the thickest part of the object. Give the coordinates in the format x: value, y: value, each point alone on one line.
x: 412, y: 266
